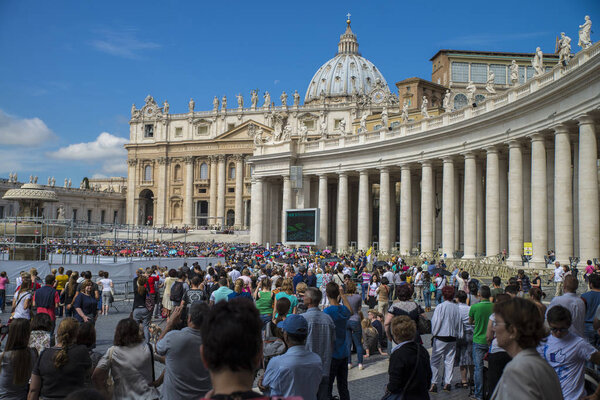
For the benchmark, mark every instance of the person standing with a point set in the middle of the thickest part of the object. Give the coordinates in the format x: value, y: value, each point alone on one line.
x: 446, y: 328
x: 558, y: 276
x: 353, y: 327
x: 339, y: 359
x: 572, y: 302
x: 524, y: 283
x: 591, y: 299
x: 46, y: 299
x: 479, y: 315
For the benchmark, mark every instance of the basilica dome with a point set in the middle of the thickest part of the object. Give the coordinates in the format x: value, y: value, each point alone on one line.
x: 345, y: 74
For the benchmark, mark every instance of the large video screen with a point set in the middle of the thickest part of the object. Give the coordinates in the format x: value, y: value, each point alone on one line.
x: 302, y: 226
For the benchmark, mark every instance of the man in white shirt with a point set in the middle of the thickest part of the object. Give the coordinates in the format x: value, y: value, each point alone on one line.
x: 234, y: 274
x: 446, y: 328
x: 558, y: 278
x: 567, y: 353
x: 389, y: 274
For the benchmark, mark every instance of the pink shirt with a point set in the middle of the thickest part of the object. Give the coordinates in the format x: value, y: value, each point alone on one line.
x: 3, y: 282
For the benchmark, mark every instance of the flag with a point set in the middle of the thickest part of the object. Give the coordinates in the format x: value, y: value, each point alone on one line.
x: 369, y: 254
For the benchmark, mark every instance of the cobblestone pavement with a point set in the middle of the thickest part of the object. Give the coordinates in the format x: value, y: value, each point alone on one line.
x: 368, y: 384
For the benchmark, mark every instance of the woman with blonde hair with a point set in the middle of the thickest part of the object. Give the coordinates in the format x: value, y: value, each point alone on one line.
x: 239, y: 290
x: 63, y: 368
x: 287, y: 291
x: 17, y: 361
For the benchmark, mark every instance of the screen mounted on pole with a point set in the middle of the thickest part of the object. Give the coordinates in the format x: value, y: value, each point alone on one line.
x: 302, y: 226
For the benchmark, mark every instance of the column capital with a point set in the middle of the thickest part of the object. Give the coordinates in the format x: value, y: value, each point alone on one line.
x: 257, y: 179
x: 343, y: 173
x: 188, y: 159
x: 425, y: 163
x: 221, y: 158
x: 384, y: 170
x: 514, y: 144
x: 470, y: 155
x: 405, y: 167
x: 448, y: 160
x: 491, y: 149
x: 322, y: 175
x: 585, y: 119
x: 162, y: 160
x: 561, y: 129
x: 363, y: 172
x: 212, y: 158
x: 132, y: 162
x: 286, y: 178
x: 537, y: 137
x: 238, y: 157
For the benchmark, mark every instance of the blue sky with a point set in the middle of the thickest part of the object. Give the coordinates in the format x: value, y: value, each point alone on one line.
x: 70, y: 70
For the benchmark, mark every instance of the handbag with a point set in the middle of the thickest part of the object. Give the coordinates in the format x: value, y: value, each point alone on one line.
x: 432, y: 287
x: 401, y: 395
x: 423, y: 325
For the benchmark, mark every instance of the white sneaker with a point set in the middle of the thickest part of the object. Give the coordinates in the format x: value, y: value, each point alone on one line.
x: 360, y: 367
x: 349, y: 366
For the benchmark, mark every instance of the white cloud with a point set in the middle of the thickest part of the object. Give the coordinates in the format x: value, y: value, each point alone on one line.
x: 122, y: 43
x: 106, y: 147
x: 99, y: 176
x: 117, y: 167
x: 31, y: 132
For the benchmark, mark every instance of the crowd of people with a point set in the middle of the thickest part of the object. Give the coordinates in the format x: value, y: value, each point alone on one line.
x: 255, y: 326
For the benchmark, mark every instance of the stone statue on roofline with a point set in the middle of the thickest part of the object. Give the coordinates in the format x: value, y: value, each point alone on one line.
x: 405, y: 111
x: 254, y: 98
x: 224, y: 103
x: 342, y: 126
x: 296, y: 99
x: 166, y: 107
x: 538, y: 62
x: 52, y: 182
x: 267, y: 98
x: 240, y: 100
x: 564, y: 52
x: 490, y: 82
x: 471, y: 88
x: 191, y: 105
x: 584, y: 33
x: 363, y: 122
x: 446, y: 101
x: 514, y: 72
x: 284, y: 98
x: 384, y: 117
x: 424, y: 105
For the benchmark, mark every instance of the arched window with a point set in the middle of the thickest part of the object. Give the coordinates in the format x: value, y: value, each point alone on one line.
x: 177, y: 173
x: 231, y: 171
x: 148, y: 173
x: 479, y: 98
x: 460, y: 101
x: 203, y: 171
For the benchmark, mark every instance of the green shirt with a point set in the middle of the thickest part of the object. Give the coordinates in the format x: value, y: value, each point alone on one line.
x: 480, y: 313
x: 496, y: 291
x: 264, y: 303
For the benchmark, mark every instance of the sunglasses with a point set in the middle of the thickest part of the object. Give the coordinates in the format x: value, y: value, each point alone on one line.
x: 559, y: 330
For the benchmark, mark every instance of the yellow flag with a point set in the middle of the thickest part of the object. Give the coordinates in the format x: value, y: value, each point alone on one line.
x: 369, y: 251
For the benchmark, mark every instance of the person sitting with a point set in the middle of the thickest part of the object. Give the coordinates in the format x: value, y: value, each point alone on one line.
x: 409, y: 372
x: 298, y: 372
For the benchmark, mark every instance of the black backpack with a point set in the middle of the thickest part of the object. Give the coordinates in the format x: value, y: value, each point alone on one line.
x: 177, y: 292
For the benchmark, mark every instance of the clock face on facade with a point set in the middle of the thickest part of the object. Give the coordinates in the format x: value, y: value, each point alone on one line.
x: 149, y: 111
x: 378, y: 96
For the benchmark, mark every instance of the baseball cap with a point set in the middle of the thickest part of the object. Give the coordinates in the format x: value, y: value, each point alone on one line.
x: 294, y: 324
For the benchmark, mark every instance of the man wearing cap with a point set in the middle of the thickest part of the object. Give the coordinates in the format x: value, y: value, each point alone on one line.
x: 298, y: 371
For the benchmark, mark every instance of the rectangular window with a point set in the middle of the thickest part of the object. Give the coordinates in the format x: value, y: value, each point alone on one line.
x: 230, y: 190
x: 460, y: 72
x: 74, y: 214
x: 89, y: 217
x: 115, y: 217
x: 522, y: 70
x: 102, y: 216
x: 201, y: 190
x: 529, y: 73
x: 178, y: 132
x: 548, y: 69
x: 310, y: 125
x: 499, y: 74
x: 336, y: 124
x: 148, y: 131
x: 203, y: 130
x: 479, y: 73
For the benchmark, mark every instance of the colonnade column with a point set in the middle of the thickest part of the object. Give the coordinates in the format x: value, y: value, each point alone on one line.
x: 588, y: 190
x: 363, y: 210
x: 539, y: 199
x: 426, y: 207
x: 515, y: 202
x: 492, y: 203
x: 323, y: 210
x: 132, y: 213
x: 286, y: 203
x: 405, y: 211
x: 563, y: 195
x: 342, y: 213
x: 162, y: 192
x: 384, y: 210
x: 470, y: 206
x: 221, y: 191
x: 239, y: 191
x: 256, y: 213
x: 212, y: 191
x: 188, y: 200
x: 448, y: 208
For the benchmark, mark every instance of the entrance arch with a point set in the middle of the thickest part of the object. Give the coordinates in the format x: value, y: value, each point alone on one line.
x: 230, y: 219
x: 146, y: 207
x: 201, y: 213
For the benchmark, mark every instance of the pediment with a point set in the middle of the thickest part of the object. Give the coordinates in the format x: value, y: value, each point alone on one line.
x: 242, y: 132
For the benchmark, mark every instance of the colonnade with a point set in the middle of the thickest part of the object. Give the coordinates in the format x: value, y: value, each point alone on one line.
x: 540, y: 187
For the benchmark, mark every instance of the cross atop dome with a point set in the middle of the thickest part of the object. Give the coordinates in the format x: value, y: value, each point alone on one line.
x: 348, y: 43
x: 348, y: 18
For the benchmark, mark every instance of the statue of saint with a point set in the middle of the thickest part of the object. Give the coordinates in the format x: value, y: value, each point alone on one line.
x: 342, y: 126
x: 35, y: 178
x: 240, y: 100
x: 61, y: 212
x: 284, y: 97
x: 303, y: 133
x: 15, y: 178
x: 296, y: 99
x: 405, y: 111
x: 490, y: 82
x: 538, y: 62
x: 322, y: 96
x: 69, y: 182
x: 166, y: 107
x: 363, y: 122
x: 287, y: 132
x: 191, y: 105
x: 66, y: 182
x: 564, y: 52
x: 446, y: 101
x: 254, y: 98
x: 424, y: 104
x: 52, y: 182
x: 584, y: 33
x: 258, y: 137
x: 10, y: 177
x: 133, y: 110
x: 514, y: 72
x: 48, y: 181
x: 471, y: 93
x: 30, y: 178
x: 384, y: 117
x: 267, y: 98
x: 224, y: 103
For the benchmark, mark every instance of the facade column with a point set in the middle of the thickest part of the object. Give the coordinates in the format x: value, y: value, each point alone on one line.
x: 324, y: 211
x: 492, y: 203
x: 563, y: 195
x: 188, y: 200
x: 239, y: 191
x: 426, y: 207
x: 342, y: 225
x: 161, y: 200
x: 405, y: 211
x: 212, y: 200
x: 364, y: 210
x: 221, y: 190
x: 132, y: 213
x: 539, y: 199
x: 470, y: 206
x: 286, y: 203
x: 588, y: 190
x: 448, y: 208
x: 256, y: 213
x: 515, y: 202
x: 385, y: 242
x: 480, y: 209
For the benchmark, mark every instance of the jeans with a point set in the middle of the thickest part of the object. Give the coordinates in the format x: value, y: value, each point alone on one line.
x: 439, y: 298
x: 142, y: 316
x: 157, y: 305
x: 365, y: 291
x: 339, y: 371
x: 590, y: 334
x: 427, y: 298
x: 354, y: 334
x: 479, y: 351
x: 2, y: 299
x: 323, y: 391
x: 266, y: 318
